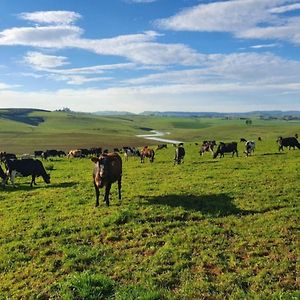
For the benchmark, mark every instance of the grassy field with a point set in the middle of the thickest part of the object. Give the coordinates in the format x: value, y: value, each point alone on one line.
x: 207, y: 229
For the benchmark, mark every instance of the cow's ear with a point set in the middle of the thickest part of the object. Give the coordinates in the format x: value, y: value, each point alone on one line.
x: 95, y: 159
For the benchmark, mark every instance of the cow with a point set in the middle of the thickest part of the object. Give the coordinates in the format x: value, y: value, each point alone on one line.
x: 287, y: 142
x: 207, y: 146
x: 226, y: 148
x: 4, y: 156
x: 50, y: 153
x: 131, y: 152
x: 249, y: 147
x: 179, y: 155
x: 147, y: 152
x: 75, y: 153
x: 243, y: 140
x: 161, y: 146
x: 107, y: 170
x: 38, y: 153
x: 24, y: 168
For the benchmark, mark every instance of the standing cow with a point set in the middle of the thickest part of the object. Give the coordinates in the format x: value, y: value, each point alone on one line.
x: 249, y: 147
x: 287, y: 142
x: 147, y: 152
x: 226, y: 148
x: 179, y: 155
x: 207, y: 146
x: 24, y: 168
x: 107, y: 170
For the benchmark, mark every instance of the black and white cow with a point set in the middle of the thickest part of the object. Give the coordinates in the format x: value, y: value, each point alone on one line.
x: 179, y: 155
x: 249, y: 147
x: 24, y: 168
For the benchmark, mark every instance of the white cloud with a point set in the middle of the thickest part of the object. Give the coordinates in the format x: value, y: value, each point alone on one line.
x: 286, y: 8
x: 264, y: 46
x: 140, y: 48
x: 39, y: 60
x: 51, y: 17
x: 258, y: 19
x: 44, y: 36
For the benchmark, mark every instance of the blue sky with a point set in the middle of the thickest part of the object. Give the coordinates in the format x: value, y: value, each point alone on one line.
x: 136, y: 55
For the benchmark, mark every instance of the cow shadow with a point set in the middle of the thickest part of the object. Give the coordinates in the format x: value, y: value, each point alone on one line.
x: 272, y: 153
x: 214, y: 205
x: 26, y: 186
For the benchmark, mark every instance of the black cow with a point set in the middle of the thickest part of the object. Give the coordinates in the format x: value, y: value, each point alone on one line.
x: 26, y: 167
x: 38, y: 153
x: 179, y: 155
x: 288, y: 142
x: 226, y: 148
x: 161, y: 146
x: 107, y: 170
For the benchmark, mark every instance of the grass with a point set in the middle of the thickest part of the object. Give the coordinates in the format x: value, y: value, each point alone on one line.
x: 207, y: 229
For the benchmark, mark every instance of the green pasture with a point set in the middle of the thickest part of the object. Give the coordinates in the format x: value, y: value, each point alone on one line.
x: 206, y: 229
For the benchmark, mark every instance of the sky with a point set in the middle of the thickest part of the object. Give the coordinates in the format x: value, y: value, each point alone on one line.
x: 150, y: 55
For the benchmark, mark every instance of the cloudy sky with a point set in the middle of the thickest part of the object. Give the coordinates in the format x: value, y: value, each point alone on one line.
x: 136, y: 55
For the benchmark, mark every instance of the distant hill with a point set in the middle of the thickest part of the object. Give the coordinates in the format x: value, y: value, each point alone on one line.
x: 113, y: 113
x: 22, y: 115
x: 260, y: 114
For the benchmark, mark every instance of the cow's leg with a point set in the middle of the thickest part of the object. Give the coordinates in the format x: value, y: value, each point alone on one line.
x: 12, y: 176
x: 32, y: 180
x: 97, y: 194
x: 119, y: 187
x: 107, y: 190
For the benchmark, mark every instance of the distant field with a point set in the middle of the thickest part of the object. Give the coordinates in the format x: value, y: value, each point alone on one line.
x: 64, y: 131
x: 207, y: 229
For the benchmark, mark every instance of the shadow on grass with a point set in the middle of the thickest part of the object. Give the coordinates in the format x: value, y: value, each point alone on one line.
x: 26, y: 186
x: 215, y: 205
x: 274, y: 153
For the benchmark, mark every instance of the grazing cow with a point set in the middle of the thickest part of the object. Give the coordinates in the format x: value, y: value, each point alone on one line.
x: 24, y: 168
x: 226, y: 148
x: 243, y: 140
x: 249, y: 147
x: 75, y: 153
x: 207, y: 146
x: 162, y: 146
x: 259, y: 138
x: 288, y: 142
x: 4, y: 156
x: 107, y: 170
x: 179, y: 155
x: 147, y: 152
x: 95, y: 151
x: 131, y: 152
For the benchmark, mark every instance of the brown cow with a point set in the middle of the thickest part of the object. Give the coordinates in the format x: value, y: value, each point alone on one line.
x: 75, y: 153
x: 107, y: 170
x: 147, y: 152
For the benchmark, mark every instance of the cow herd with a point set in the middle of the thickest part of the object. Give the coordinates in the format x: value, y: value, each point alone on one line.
x: 108, y: 166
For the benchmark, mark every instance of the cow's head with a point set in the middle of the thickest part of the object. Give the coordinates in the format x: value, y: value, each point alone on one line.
x: 101, y: 169
x: 47, y: 178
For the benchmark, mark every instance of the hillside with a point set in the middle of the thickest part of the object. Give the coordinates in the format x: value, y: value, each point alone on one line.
x: 23, y: 131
